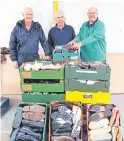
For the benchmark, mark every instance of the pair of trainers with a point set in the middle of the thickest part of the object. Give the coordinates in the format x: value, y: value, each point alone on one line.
x: 100, y: 130
x: 99, y: 122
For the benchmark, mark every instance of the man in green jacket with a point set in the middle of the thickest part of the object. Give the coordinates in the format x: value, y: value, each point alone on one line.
x: 91, y: 38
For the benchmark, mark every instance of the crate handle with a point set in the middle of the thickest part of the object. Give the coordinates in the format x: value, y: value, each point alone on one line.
x: 86, y: 71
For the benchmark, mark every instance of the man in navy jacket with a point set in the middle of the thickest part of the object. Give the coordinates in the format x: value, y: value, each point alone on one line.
x: 61, y: 33
x: 25, y: 38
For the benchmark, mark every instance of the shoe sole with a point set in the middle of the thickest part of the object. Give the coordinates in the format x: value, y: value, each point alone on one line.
x: 98, y: 124
x: 58, y: 124
x: 18, y: 118
x: 34, y: 108
x: 100, y: 108
x: 14, y: 134
x: 100, y: 137
x: 96, y: 117
x: 29, y: 131
x: 100, y: 131
x: 33, y: 116
x: 33, y: 124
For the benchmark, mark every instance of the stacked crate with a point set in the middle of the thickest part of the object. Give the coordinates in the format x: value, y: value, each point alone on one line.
x: 65, y: 53
x: 88, y: 82
x: 40, y: 92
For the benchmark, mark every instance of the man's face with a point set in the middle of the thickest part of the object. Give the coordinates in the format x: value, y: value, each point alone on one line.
x: 28, y: 15
x: 92, y: 14
x: 60, y: 19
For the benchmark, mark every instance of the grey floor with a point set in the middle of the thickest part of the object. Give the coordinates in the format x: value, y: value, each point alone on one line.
x: 7, y: 118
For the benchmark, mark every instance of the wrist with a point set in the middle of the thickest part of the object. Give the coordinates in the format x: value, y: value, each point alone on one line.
x: 81, y: 43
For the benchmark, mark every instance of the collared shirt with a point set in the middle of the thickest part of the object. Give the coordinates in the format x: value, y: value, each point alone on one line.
x: 58, y: 37
x: 90, y: 25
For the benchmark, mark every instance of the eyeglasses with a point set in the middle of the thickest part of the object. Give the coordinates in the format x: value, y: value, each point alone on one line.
x: 60, y: 17
x: 91, y: 13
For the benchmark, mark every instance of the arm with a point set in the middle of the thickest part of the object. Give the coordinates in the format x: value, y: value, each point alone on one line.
x: 73, y: 33
x: 44, y: 43
x: 12, y: 45
x: 51, y: 44
x: 77, y: 38
x: 97, y: 34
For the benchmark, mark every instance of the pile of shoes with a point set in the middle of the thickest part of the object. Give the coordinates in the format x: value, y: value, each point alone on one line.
x: 36, y: 66
x: 104, y: 123
x: 88, y: 65
x: 4, y: 50
x: 38, y: 81
x: 65, y: 122
x: 28, y: 124
x: 64, y: 48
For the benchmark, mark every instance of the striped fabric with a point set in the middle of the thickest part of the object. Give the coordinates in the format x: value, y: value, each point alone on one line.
x: 76, y: 129
x: 65, y: 111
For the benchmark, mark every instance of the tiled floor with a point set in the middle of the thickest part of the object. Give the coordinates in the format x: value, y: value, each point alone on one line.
x: 6, y: 120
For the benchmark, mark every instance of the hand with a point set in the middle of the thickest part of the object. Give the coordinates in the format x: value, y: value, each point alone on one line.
x: 46, y: 57
x: 15, y: 64
x: 71, y: 43
x: 76, y: 45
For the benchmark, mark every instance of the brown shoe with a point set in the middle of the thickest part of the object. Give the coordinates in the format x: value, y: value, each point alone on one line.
x: 113, y: 116
x: 34, y: 108
x: 117, y: 120
x: 33, y: 116
x: 61, y: 138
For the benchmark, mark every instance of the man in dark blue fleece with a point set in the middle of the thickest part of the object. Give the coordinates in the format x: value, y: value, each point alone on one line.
x: 61, y: 34
x: 25, y: 38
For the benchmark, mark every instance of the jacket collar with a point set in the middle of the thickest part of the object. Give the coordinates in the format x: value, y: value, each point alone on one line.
x: 34, y: 25
x: 59, y: 28
x: 90, y: 25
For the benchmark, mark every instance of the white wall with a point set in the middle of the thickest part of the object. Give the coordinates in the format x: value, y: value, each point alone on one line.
x: 110, y: 12
x: 11, y: 12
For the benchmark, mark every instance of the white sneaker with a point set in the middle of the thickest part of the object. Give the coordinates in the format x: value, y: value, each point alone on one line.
x: 99, y: 124
x: 100, y: 131
x: 102, y: 136
x: 27, y: 67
